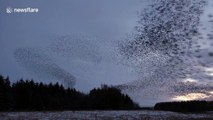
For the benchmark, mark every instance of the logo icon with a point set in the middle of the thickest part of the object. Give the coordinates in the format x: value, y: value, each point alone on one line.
x: 9, y: 10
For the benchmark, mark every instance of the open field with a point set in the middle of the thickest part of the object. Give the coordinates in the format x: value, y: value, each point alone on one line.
x: 104, y: 115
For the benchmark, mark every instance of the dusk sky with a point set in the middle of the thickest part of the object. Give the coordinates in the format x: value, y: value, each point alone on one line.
x: 75, y: 41
x: 103, y: 21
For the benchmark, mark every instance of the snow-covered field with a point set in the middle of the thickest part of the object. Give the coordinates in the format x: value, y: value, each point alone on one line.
x: 104, y: 115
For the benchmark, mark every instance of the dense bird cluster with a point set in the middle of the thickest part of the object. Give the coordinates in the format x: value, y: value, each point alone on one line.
x: 36, y: 62
x: 168, y: 47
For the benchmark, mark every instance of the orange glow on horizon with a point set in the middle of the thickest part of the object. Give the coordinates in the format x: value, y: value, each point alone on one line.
x: 192, y: 96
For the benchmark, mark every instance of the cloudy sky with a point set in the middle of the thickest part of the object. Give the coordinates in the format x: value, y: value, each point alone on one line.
x: 70, y: 41
x: 104, y: 22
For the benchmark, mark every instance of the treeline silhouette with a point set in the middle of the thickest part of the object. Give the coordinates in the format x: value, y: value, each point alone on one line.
x: 25, y: 95
x: 185, y: 106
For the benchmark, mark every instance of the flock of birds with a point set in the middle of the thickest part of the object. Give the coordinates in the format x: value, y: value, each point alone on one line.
x: 168, y: 48
x: 173, y: 54
x: 38, y: 63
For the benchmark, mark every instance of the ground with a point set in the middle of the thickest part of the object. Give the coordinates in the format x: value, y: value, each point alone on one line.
x: 104, y: 115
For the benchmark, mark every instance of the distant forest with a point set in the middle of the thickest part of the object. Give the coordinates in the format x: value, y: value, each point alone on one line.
x: 25, y: 95
x: 185, y: 106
